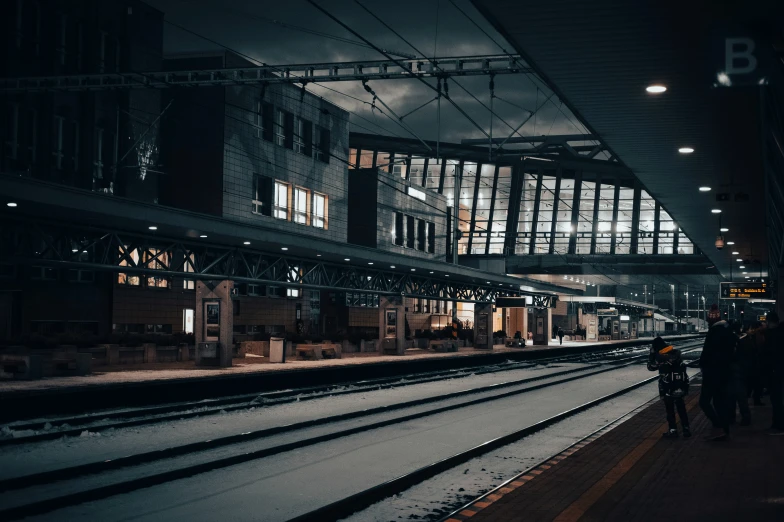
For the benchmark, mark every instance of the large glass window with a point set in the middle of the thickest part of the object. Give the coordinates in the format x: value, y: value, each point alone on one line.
x: 684, y: 244
x: 300, y: 205
x: 585, y: 220
x: 563, y: 226
x: 526, y: 219
x: 498, y: 228
x: 647, y: 222
x: 545, y: 218
x: 319, y: 219
x: 623, y: 232
x: 281, y: 210
x: 667, y: 232
x: 187, y: 267
x: 604, y: 227
x: 129, y: 258
x: 384, y: 161
x: 417, y: 171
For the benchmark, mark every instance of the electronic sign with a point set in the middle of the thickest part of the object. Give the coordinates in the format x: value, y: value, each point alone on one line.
x: 743, y: 291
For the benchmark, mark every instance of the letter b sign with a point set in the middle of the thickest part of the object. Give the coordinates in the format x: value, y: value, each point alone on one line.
x: 739, y: 56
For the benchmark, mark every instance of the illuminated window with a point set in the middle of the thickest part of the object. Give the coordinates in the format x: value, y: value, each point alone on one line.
x: 319, y: 219
x: 281, y: 210
x: 128, y: 258
x: 187, y: 267
x: 300, y: 205
x: 157, y: 260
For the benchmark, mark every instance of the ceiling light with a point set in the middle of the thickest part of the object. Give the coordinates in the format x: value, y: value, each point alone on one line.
x: 446, y: 275
x: 284, y: 248
x: 370, y: 262
x: 431, y: 271
x: 741, y: 267
x: 705, y: 189
x: 656, y: 89
x: 488, y: 282
x: 746, y: 277
x: 153, y: 228
x: 739, y: 260
x: 744, y: 272
x: 74, y: 250
x: 246, y: 242
x: 724, y: 229
x: 686, y: 150
x: 11, y: 204
x: 203, y: 236
x: 730, y: 242
x: 736, y: 253
x: 391, y: 266
x: 346, y: 259
x: 716, y: 210
x: 413, y: 269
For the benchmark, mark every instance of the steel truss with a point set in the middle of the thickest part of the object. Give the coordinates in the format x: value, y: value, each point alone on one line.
x: 269, y: 74
x: 38, y: 243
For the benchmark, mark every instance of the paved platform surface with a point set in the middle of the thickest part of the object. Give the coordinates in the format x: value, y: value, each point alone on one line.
x: 151, y: 372
x: 629, y: 473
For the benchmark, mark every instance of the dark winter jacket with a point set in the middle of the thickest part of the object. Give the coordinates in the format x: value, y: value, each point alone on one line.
x: 774, y: 350
x: 718, y: 351
x: 673, y: 378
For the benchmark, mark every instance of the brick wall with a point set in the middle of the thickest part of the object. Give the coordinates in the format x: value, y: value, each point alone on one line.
x: 139, y: 305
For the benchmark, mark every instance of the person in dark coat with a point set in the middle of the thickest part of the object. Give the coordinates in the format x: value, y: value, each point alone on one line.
x: 673, y: 384
x: 774, y: 361
x: 716, y: 366
x: 560, y: 336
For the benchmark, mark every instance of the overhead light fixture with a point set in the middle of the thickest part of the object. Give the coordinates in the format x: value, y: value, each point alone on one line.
x: 446, y: 275
x: 730, y: 242
x: 736, y: 253
x: 746, y: 277
x: 370, y: 262
x: 246, y: 242
x: 431, y: 271
x: 739, y: 260
x: 413, y: 269
x: 284, y: 248
x: 741, y: 267
x: 152, y: 228
x: 391, y: 266
x: 685, y: 150
x: 656, y: 89
x: 203, y: 236
x: 716, y: 210
x: 724, y: 229
x: 74, y: 250
x: 318, y: 255
x: 346, y: 259
x: 705, y: 189
x: 744, y: 273
x: 11, y: 204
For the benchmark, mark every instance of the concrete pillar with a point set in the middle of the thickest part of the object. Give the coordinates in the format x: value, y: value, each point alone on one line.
x: 483, y: 326
x: 541, y: 327
x: 591, y: 327
x: 214, y: 298
x: 392, y: 319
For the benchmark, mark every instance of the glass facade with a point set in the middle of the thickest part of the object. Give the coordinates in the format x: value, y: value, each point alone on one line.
x: 559, y: 211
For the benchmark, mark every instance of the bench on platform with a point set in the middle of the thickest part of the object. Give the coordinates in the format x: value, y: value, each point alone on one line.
x: 318, y: 351
x: 443, y: 345
x: 515, y: 343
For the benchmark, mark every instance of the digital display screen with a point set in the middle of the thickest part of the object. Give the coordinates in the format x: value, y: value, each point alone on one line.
x: 743, y: 291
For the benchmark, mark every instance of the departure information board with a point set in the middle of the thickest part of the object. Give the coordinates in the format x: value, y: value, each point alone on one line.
x: 743, y: 291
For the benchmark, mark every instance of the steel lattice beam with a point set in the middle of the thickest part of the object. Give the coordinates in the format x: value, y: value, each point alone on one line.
x: 269, y: 74
x: 39, y: 243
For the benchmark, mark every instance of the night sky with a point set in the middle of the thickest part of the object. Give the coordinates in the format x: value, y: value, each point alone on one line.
x: 246, y: 26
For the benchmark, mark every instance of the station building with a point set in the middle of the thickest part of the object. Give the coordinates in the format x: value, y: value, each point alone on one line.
x: 123, y: 193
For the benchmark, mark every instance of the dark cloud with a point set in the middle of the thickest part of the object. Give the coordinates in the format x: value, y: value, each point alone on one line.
x: 244, y: 26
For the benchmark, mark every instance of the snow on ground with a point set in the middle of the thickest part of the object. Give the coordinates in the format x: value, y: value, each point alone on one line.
x: 71, y: 451
x: 286, y: 485
x: 448, y: 491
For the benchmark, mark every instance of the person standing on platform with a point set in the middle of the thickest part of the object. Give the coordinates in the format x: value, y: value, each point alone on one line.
x: 715, y: 362
x: 774, y: 359
x: 756, y: 377
x: 742, y: 362
x: 560, y: 336
x: 673, y: 384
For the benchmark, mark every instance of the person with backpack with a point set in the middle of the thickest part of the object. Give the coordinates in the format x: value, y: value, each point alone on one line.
x: 673, y: 384
x: 560, y: 335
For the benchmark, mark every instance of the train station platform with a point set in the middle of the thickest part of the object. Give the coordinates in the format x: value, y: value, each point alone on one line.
x: 628, y: 472
x: 131, y: 385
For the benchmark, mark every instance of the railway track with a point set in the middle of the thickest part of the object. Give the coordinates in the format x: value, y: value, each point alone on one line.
x: 245, y: 451
x: 74, y: 426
